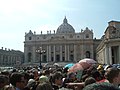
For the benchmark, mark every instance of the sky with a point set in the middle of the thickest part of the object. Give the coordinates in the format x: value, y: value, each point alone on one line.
x: 20, y: 16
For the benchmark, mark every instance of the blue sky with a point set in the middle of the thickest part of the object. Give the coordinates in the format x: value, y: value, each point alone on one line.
x: 20, y: 16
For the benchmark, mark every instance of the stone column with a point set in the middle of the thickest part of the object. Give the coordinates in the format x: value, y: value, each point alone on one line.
x: 68, y: 53
x: 91, y: 52
x: 60, y: 52
x: 26, y: 54
x: 82, y: 51
x: 110, y: 55
x: 47, y: 52
x: 65, y: 53
x: 49, y: 57
x: 34, y: 54
x: 54, y: 53
x: 106, y: 55
x: 9, y: 59
x: 75, y: 53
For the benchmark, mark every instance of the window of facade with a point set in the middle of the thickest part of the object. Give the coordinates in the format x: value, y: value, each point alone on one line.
x: 63, y: 58
x: 29, y: 57
x: 87, y: 35
x: 37, y: 37
x: 87, y: 54
x: 71, y: 57
x: 30, y: 38
x: 52, y: 59
x: 57, y: 58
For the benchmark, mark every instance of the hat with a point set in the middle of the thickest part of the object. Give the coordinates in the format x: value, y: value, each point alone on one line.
x: 100, y: 67
x: 31, y: 82
x: 43, y: 79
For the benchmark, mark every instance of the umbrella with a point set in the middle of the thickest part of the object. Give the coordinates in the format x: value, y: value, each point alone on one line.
x: 76, y: 67
x: 87, y: 62
x: 68, y: 65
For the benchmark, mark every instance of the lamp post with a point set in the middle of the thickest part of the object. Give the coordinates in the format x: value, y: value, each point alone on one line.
x: 40, y: 52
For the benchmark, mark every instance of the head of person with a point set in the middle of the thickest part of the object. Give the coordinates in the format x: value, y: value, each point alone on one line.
x: 100, y: 86
x: 31, y: 83
x: 17, y: 80
x: 89, y: 80
x: 44, y: 86
x: 113, y: 75
x: 26, y: 77
x: 46, y: 72
x: 43, y: 79
x: 71, y: 76
x: 35, y: 73
x: 95, y: 74
x: 57, y: 78
x: 3, y: 81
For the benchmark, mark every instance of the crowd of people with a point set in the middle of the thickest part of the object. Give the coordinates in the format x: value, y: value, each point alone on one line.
x: 96, y: 77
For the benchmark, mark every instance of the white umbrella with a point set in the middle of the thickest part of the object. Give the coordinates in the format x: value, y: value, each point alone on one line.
x: 87, y: 62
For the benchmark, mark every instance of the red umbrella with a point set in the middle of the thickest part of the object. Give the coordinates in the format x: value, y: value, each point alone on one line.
x: 75, y: 68
x: 87, y: 62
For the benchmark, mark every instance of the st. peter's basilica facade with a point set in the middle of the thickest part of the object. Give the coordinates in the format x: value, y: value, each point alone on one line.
x: 61, y: 45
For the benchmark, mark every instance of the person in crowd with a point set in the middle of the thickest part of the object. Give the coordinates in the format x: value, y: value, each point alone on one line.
x: 4, y: 80
x: 101, y: 70
x: 56, y: 80
x: 71, y: 77
x: 26, y: 77
x: 89, y: 80
x: 96, y: 75
x: 100, y: 86
x: 36, y: 75
x: 44, y: 86
x: 113, y: 76
x: 17, y: 80
x: 31, y: 85
x: 43, y: 79
x: 46, y: 73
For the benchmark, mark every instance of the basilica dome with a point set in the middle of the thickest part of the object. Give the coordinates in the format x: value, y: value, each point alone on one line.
x: 65, y: 28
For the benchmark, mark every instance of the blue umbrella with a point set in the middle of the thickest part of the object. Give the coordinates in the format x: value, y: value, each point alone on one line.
x: 68, y: 65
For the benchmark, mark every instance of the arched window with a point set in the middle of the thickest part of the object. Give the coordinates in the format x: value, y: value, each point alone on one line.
x: 29, y: 57
x: 87, y: 54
